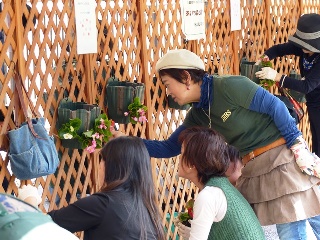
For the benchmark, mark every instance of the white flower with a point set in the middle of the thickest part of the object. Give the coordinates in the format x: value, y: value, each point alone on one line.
x: 67, y: 136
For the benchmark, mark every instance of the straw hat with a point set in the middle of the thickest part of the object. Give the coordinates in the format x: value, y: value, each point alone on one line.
x: 307, y: 35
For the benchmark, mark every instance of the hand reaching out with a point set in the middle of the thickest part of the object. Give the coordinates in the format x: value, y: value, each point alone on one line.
x: 184, y: 231
x: 116, y: 134
x: 29, y: 194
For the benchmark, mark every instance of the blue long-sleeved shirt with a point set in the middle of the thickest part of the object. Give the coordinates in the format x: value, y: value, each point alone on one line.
x: 262, y: 102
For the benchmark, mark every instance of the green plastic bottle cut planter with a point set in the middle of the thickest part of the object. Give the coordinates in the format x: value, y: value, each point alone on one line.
x: 300, y: 97
x: 249, y: 70
x: 119, y: 95
x: 173, y: 104
x: 69, y: 110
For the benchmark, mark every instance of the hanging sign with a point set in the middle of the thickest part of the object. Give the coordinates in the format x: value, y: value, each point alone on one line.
x: 193, y: 19
x: 86, y: 26
x: 235, y: 15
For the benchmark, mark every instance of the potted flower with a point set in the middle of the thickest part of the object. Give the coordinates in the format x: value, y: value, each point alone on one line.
x: 249, y: 70
x: 184, y: 217
x: 265, y: 62
x: 136, y: 111
x: 89, y: 140
x: 119, y: 95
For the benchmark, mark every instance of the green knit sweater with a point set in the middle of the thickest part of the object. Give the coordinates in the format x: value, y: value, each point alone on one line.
x: 240, y: 222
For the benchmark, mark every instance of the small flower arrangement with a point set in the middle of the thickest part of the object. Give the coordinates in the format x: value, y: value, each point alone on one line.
x: 265, y: 62
x: 91, y: 139
x: 137, y: 111
x: 184, y: 217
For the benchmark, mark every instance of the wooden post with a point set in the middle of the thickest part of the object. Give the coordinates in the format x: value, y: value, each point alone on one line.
x: 89, y: 79
x: 144, y: 65
x: 234, y: 44
x: 269, y: 42
x: 301, y: 7
x: 141, y: 8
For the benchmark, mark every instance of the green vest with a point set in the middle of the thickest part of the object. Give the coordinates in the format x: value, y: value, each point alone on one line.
x: 231, y: 117
x: 240, y: 222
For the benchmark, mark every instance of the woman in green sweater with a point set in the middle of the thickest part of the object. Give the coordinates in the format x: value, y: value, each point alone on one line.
x: 220, y: 211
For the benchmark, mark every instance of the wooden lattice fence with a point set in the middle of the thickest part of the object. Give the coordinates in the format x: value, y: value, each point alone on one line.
x: 40, y: 42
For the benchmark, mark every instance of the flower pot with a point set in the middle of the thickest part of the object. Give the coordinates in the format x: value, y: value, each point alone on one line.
x: 300, y: 97
x: 249, y: 70
x: 85, y: 112
x: 71, y: 143
x: 118, y: 97
x: 173, y: 104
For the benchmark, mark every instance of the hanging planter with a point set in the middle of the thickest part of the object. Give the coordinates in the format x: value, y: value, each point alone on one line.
x: 70, y: 110
x: 300, y: 97
x: 173, y: 104
x: 119, y: 95
x: 249, y: 70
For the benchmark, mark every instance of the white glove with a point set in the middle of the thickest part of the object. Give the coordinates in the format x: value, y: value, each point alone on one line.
x: 184, y: 231
x: 316, y: 168
x: 267, y: 73
x: 29, y: 191
x: 308, y: 162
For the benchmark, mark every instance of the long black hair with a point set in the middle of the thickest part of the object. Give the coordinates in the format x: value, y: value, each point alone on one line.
x: 127, y: 164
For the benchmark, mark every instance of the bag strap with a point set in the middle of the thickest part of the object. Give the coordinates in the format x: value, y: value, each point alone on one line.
x: 19, y: 99
x: 297, y: 107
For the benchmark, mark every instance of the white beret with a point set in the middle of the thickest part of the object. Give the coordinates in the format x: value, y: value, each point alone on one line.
x: 181, y: 59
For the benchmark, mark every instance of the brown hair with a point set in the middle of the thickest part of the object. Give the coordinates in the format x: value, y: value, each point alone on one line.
x: 206, y: 150
x: 180, y: 74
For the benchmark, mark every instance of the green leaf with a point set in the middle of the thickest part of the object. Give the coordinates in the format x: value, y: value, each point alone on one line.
x: 183, y: 216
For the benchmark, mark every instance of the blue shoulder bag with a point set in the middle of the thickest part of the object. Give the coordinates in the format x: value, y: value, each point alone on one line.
x: 32, y: 152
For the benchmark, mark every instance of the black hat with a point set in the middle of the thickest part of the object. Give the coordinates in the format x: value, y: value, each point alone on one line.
x: 307, y: 35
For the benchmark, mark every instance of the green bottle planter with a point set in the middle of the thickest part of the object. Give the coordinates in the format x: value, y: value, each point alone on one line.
x: 69, y: 110
x: 119, y: 95
x: 300, y: 97
x: 249, y: 70
x: 173, y: 104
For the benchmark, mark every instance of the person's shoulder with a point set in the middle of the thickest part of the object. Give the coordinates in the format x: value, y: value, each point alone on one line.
x: 210, y: 192
x: 235, y: 83
x: 231, y: 78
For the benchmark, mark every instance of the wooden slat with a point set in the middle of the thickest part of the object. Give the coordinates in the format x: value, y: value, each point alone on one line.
x: 132, y: 36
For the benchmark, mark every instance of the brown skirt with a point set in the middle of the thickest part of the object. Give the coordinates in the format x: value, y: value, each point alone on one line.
x: 277, y: 189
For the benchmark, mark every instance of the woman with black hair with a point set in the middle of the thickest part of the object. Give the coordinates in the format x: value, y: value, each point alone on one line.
x: 125, y: 207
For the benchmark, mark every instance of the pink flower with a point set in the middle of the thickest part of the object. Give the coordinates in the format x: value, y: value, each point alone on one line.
x: 126, y: 113
x: 135, y: 119
x: 102, y: 126
x: 91, y: 148
x: 96, y: 135
x: 143, y: 119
